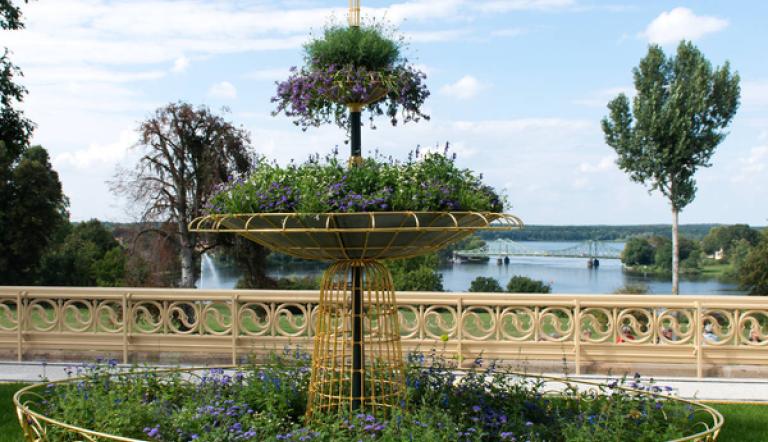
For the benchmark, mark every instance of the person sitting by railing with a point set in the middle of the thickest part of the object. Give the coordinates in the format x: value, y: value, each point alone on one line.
x: 754, y: 336
x: 709, y: 334
x: 625, y: 335
x: 667, y: 334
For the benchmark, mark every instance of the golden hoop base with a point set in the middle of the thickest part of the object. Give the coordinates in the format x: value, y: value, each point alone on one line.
x: 381, y: 370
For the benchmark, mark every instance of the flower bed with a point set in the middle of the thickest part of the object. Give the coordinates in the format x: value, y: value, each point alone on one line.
x: 267, y: 403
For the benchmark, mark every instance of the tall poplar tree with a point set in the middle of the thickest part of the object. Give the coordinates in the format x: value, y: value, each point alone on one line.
x: 677, y: 118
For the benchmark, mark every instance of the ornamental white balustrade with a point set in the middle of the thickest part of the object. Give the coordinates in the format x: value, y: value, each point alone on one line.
x: 135, y: 324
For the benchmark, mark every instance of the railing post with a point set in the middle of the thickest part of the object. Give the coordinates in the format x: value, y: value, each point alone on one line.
x: 577, y: 335
x: 420, y: 323
x: 125, y: 328
x: 699, y: 341
x: 235, y: 329
x: 19, y: 324
x: 459, y: 329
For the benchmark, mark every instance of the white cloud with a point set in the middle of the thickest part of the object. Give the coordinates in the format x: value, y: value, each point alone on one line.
x: 272, y: 74
x: 523, y: 125
x: 601, y: 97
x: 83, y: 74
x: 753, y: 166
x: 509, y: 32
x: 223, y: 90
x: 436, y: 36
x: 98, y: 155
x: 679, y: 24
x: 605, y: 163
x: 181, y: 64
x: 465, y: 88
x: 754, y: 94
x: 524, y: 5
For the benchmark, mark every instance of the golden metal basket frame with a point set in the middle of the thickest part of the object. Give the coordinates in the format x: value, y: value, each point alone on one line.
x: 358, y: 235
x: 35, y: 424
x: 357, y: 315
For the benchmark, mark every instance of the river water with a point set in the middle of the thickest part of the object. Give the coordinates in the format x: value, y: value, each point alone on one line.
x: 566, y: 275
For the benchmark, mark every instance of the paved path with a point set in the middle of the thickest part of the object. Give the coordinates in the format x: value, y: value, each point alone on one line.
x: 714, y: 389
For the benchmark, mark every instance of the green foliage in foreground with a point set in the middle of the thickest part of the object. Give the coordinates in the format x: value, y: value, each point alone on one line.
x: 267, y: 403
x: 524, y: 284
x: 742, y: 422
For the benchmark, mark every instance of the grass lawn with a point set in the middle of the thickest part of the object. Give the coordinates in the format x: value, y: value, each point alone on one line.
x: 743, y: 423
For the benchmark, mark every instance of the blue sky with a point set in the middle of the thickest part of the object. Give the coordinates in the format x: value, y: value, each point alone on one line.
x: 518, y: 87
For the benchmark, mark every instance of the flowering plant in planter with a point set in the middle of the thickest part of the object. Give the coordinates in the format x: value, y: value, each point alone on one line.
x: 352, y: 65
x: 424, y: 182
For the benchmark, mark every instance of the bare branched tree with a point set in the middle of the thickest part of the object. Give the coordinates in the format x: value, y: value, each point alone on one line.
x: 187, y: 152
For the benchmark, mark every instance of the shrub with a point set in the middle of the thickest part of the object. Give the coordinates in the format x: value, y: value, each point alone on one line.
x: 485, y: 284
x: 366, y: 46
x: 637, y: 251
x: 524, y: 284
x: 632, y: 289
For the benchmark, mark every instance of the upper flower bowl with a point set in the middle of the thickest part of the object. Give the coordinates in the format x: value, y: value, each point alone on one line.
x: 375, y: 210
x: 358, y: 68
x: 361, y: 235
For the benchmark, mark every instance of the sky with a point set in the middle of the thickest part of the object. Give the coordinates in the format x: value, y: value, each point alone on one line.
x: 518, y: 89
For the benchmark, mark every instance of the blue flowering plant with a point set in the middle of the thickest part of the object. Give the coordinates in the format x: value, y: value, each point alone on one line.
x: 424, y: 182
x: 267, y: 402
x: 361, y: 65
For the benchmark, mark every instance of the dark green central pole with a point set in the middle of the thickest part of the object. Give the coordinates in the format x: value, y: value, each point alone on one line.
x: 357, y: 280
x: 354, y: 141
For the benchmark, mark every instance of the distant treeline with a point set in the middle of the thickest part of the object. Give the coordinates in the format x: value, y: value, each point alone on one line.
x: 598, y: 233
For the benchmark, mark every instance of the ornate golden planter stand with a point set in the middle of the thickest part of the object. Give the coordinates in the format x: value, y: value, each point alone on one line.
x: 357, y: 361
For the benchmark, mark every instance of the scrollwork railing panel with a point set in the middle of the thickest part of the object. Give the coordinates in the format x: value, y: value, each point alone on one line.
x: 686, y: 329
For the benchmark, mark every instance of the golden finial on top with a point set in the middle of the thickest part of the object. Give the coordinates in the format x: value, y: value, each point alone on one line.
x: 354, y: 13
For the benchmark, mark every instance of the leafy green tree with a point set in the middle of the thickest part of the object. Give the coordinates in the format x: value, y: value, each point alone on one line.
x: 88, y: 256
x: 416, y: 274
x: 32, y: 209
x: 187, y: 153
x: 688, y: 252
x: 677, y: 119
x: 753, y: 271
x: 109, y: 271
x: 737, y: 256
x: 637, y: 251
x: 725, y: 237
x: 524, y: 284
x: 485, y: 284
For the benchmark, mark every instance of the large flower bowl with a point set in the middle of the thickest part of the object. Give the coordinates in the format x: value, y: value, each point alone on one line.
x: 37, y: 426
x: 356, y: 236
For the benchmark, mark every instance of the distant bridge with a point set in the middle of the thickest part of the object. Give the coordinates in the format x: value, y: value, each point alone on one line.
x: 506, y: 247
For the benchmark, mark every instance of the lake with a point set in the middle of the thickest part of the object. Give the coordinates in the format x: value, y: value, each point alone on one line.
x: 566, y: 275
